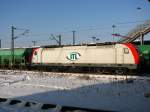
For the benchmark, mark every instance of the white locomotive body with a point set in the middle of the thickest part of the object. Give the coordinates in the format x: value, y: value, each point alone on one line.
x: 96, y: 56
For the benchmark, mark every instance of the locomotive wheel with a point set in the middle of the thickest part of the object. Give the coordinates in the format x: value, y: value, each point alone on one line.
x: 120, y: 71
x: 100, y: 70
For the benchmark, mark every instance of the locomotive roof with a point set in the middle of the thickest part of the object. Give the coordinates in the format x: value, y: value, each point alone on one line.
x: 92, y: 44
x: 16, y: 48
x: 20, y: 47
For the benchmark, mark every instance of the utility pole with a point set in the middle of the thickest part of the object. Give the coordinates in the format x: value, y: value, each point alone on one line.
x: 141, y: 28
x: 34, y: 42
x: 59, y: 39
x: 73, y: 37
x: 0, y: 43
x: 113, y: 26
x: 12, y: 43
x: 12, y: 46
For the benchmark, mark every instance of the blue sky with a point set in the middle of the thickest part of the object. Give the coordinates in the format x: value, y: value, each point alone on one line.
x: 87, y: 17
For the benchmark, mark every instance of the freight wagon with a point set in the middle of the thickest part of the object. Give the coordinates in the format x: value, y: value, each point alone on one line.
x: 22, y: 57
x: 118, y: 58
x: 145, y: 51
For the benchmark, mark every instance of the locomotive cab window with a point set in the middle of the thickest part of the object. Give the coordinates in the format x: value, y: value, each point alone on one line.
x: 126, y: 51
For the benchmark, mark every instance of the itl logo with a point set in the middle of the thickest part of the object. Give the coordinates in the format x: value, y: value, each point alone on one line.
x: 73, y: 56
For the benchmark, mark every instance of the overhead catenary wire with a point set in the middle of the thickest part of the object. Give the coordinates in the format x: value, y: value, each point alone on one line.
x: 89, y: 28
x: 88, y: 31
x: 81, y: 29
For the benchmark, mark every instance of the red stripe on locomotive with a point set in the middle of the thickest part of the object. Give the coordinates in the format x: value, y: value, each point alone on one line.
x: 134, y: 52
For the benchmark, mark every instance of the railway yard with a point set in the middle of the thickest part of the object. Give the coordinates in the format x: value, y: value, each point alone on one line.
x: 105, y: 74
x: 87, y: 91
x: 100, y: 77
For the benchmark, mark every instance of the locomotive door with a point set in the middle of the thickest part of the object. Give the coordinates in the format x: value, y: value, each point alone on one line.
x: 119, y: 56
x: 35, y: 57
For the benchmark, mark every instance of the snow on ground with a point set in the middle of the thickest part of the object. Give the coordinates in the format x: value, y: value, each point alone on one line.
x: 104, y: 92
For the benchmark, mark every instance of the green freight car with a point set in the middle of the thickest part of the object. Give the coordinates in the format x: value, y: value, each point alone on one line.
x: 145, y: 51
x: 22, y: 57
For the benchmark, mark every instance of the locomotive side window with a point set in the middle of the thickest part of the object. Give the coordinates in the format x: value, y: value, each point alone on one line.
x: 35, y: 53
x: 126, y: 51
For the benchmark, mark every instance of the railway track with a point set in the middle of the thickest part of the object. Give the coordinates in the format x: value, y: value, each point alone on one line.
x: 15, y: 104
x: 85, y: 76
x: 65, y: 85
x: 42, y: 72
